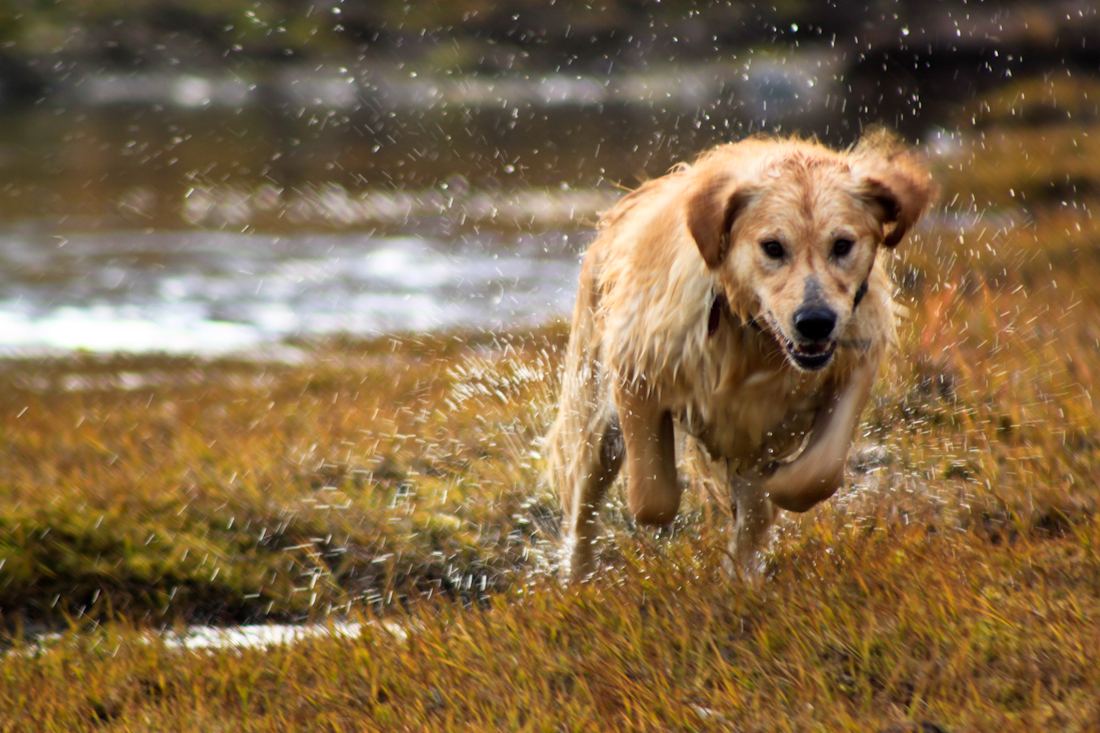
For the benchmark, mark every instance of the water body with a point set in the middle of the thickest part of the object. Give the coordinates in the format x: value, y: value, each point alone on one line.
x: 214, y: 293
x: 184, y: 213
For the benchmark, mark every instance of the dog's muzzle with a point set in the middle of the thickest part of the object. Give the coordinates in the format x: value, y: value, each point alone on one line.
x: 815, y: 344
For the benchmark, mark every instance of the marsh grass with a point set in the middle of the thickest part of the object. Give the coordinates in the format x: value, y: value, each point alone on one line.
x: 1034, y: 142
x: 955, y: 582
x: 156, y: 489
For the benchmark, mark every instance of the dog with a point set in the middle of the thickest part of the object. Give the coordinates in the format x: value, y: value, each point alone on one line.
x: 741, y: 300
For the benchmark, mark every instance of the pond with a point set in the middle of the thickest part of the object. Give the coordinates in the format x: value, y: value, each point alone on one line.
x: 215, y: 292
x: 191, y: 214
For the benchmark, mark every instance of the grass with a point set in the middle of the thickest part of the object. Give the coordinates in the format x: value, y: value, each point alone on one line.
x: 957, y: 580
x: 864, y: 624
x: 1032, y: 143
x: 156, y: 488
x: 954, y: 583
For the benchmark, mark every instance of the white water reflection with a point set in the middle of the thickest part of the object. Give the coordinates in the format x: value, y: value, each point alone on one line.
x: 247, y: 636
x: 211, y: 293
x: 266, y: 635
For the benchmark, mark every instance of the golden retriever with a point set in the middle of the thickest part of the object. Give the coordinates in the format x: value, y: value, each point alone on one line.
x: 743, y: 300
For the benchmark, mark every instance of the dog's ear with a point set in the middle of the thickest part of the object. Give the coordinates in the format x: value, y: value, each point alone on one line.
x: 712, y: 204
x: 892, y: 180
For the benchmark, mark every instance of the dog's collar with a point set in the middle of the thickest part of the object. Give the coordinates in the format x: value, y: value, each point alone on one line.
x: 860, y: 293
x: 721, y: 306
x: 714, y: 318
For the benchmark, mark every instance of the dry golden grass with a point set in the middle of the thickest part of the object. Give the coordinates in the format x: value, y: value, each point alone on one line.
x: 1034, y: 142
x: 157, y: 489
x: 864, y: 624
x: 956, y: 582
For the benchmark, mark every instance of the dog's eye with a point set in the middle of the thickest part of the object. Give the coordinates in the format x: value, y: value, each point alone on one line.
x: 842, y: 247
x: 772, y: 249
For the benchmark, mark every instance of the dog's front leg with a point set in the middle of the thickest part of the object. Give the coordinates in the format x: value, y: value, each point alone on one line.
x: 652, y: 491
x: 755, y: 515
x: 812, y: 477
x: 818, y: 471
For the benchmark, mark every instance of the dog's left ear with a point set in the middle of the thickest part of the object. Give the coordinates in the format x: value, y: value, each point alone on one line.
x: 712, y: 205
x: 893, y: 180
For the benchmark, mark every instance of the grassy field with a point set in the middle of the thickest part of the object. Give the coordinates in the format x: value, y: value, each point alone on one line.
x: 156, y: 489
x: 954, y: 585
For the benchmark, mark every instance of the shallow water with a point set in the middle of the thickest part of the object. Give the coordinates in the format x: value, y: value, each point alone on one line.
x: 211, y: 292
x: 199, y: 214
x: 261, y: 636
x: 266, y: 635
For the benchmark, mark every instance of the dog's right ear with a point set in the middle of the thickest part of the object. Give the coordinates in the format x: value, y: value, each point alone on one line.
x: 712, y: 205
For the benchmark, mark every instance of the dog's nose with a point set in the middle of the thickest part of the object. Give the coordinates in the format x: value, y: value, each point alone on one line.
x: 815, y: 324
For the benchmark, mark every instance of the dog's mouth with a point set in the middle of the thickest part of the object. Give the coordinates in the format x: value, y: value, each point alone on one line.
x: 811, y: 356
x: 808, y: 356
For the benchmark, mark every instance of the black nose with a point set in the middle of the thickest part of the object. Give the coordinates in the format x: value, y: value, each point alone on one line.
x: 815, y: 324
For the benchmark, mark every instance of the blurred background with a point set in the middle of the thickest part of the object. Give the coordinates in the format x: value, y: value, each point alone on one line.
x: 191, y: 176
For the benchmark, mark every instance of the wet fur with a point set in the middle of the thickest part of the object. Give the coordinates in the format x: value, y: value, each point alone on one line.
x: 682, y: 323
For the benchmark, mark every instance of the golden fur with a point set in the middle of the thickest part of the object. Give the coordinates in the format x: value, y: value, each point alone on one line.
x: 741, y: 300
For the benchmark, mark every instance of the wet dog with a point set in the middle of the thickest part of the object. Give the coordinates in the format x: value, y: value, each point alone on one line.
x: 741, y: 300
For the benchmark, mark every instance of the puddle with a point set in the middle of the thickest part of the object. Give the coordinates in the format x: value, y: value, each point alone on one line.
x: 249, y: 636
x: 266, y: 635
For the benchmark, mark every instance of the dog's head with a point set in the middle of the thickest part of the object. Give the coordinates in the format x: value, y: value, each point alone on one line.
x: 793, y: 229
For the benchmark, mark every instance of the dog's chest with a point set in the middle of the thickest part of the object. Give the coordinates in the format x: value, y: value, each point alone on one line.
x: 753, y: 410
